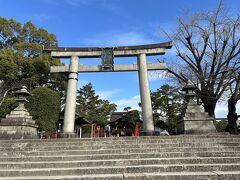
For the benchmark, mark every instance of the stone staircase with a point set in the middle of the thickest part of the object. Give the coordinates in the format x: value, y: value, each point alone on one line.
x: 132, y: 158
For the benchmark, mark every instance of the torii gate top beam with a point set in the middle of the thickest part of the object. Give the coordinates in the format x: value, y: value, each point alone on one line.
x: 119, y: 51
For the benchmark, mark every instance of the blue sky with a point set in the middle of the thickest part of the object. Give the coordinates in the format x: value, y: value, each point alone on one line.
x: 110, y: 23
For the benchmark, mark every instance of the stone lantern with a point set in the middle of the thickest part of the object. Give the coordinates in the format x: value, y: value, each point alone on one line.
x: 19, y: 124
x: 189, y: 90
x: 194, y: 120
x: 22, y: 95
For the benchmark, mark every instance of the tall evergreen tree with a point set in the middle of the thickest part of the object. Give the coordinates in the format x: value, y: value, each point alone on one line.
x: 166, y: 102
x: 91, y: 107
x: 22, y: 61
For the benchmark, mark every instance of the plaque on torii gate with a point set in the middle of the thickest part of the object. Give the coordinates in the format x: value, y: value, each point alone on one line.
x: 107, y: 55
x: 107, y: 59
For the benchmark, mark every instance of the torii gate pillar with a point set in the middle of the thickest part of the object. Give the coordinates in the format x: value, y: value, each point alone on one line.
x: 70, y: 107
x: 145, y: 96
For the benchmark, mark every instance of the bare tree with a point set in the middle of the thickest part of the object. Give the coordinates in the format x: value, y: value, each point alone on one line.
x: 232, y: 101
x: 209, y: 45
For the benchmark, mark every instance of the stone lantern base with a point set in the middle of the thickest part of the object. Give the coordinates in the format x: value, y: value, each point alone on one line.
x: 195, y: 121
x: 19, y: 124
x: 18, y: 128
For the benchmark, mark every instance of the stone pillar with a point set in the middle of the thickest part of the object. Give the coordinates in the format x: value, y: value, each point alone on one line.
x: 145, y: 95
x: 70, y: 107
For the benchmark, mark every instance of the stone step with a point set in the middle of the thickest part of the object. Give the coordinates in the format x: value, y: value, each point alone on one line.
x: 210, y: 156
x: 214, y: 175
x: 118, y: 162
x: 128, y: 139
x: 58, y: 157
x: 71, y: 177
x: 111, y: 143
x: 118, y: 146
x: 118, y: 151
x: 84, y: 143
x: 119, y: 169
x: 167, y: 143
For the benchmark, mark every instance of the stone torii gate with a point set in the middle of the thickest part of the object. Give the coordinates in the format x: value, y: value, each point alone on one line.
x: 107, y: 55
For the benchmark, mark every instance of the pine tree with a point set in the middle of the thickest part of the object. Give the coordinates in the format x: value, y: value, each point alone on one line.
x: 91, y: 107
x: 166, y: 102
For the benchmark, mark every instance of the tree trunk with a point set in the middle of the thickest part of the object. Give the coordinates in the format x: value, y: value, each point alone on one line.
x: 232, y: 117
x: 209, y: 107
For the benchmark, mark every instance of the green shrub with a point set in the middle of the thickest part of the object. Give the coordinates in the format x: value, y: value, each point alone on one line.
x: 221, y: 125
x: 44, y: 106
x: 7, y: 106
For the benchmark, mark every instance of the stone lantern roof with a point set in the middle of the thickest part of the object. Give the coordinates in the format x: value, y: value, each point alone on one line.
x: 189, y: 87
x: 22, y: 95
x: 22, y: 91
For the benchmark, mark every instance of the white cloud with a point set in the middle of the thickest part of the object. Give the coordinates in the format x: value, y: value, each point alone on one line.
x: 221, y: 110
x: 131, y: 102
x: 118, y: 39
x: 106, y: 94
